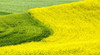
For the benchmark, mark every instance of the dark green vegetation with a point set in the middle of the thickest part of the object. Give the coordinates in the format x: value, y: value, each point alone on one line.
x: 20, y: 28
x: 17, y: 6
x: 4, y: 13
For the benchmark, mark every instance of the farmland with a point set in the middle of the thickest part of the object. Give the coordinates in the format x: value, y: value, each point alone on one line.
x: 18, y: 6
x: 20, y: 28
x: 74, y: 29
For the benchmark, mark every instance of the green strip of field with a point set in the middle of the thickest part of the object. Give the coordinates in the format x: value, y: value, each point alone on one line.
x: 4, y: 13
x: 17, y: 6
x: 20, y: 28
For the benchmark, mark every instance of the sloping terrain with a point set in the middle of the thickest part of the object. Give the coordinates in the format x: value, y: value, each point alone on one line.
x: 76, y: 29
x: 71, y: 22
x: 20, y: 28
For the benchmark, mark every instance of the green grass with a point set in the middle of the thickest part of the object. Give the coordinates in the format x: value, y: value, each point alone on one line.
x: 17, y: 6
x: 20, y: 28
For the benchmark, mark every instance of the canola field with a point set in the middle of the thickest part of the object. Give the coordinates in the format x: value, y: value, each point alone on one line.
x: 74, y: 29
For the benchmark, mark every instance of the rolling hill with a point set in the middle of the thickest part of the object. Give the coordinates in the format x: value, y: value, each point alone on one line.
x: 76, y: 30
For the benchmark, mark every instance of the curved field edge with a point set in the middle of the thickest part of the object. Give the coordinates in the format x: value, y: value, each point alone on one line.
x: 75, y: 21
x: 76, y: 31
x: 21, y: 28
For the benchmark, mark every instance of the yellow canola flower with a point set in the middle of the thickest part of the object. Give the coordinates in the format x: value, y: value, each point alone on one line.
x: 71, y: 22
x: 76, y: 29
